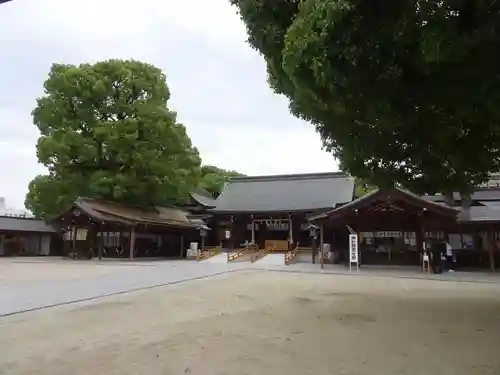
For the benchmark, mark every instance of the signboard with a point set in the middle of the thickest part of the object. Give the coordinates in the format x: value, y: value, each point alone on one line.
x: 227, y: 234
x: 81, y: 234
x: 353, y: 250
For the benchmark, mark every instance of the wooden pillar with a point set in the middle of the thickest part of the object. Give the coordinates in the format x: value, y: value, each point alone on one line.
x: 181, y: 246
x: 321, y: 241
x: 491, y: 249
x: 100, y: 243
x: 231, y: 240
x: 132, y: 243
x: 202, y: 242
x: 419, y: 235
x: 253, y: 229
x: 64, y: 244
x: 73, y: 239
x: 290, y: 232
x: 313, y: 246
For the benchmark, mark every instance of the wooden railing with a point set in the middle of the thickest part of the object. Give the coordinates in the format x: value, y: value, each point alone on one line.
x: 290, y: 255
x: 233, y: 255
x: 208, y: 251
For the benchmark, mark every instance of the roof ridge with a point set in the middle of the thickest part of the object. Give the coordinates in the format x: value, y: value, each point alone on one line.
x: 290, y: 177
x: 20, y: 218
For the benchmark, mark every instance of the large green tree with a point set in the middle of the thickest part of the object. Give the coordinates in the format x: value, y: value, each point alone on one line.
x: 107, y: 133
x: 214, y: 178
x: 402, y: 92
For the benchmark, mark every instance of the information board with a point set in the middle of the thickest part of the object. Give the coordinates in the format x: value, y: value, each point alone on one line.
x: 353, y: 251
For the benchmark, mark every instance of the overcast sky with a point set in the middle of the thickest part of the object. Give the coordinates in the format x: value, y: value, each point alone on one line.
x: 218, y: 82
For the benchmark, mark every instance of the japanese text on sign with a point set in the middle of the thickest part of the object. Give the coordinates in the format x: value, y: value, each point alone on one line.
x: 353, y: 248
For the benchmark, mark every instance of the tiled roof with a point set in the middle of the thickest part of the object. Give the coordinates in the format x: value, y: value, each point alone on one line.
x: 285, y: 193
x: 130, y: 215
x: 24, y: 225
x: 378, y: 194
x: 478, y: 195
x: 480, y: 214
x: 203, y: 197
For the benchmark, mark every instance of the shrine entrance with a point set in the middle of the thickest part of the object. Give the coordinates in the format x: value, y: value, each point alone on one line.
x: 273, y: 234
x: 391, y: 225
x: 278, y: 233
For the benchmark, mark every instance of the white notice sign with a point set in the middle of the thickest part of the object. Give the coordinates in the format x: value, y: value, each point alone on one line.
x: 353, y: 250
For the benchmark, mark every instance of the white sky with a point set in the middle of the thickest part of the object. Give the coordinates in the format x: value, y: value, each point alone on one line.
x: 218, y: 82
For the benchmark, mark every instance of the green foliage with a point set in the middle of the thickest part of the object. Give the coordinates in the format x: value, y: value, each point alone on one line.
x: 361, y: 188
x: 107, y: 133
x: 401, y: 92
x: 214, y: 178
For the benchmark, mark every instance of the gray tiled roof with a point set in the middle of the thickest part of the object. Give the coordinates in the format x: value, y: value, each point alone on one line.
x: 203, y: 197
x: 285, y: 193
x: 24, y: 225
x: 113, y: 212
x: 378, y: 194
x: 478, y: 195
x: 480, y: 214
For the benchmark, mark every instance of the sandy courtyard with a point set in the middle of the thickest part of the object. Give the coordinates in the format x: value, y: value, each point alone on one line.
x: 257, y: 322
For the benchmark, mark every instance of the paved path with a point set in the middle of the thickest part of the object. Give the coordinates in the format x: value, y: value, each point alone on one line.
x: 18, y: 297
x: 271, y: 261
x: 218, y: 259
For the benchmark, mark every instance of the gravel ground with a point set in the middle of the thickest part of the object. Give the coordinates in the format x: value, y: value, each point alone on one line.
x: 258, y: 322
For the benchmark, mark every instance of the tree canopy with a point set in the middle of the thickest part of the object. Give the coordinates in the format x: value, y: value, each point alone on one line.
x: 107, y: 133
x: 401, y: 92
x: 214, y: 178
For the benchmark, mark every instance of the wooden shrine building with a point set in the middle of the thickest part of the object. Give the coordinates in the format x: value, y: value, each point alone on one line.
x: 394, y: 224
x: 102, y: 228
x: 271, y: 211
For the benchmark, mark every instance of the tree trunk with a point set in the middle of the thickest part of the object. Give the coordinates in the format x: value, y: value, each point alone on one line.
x: 466, y: 200
x: 449, y: 199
